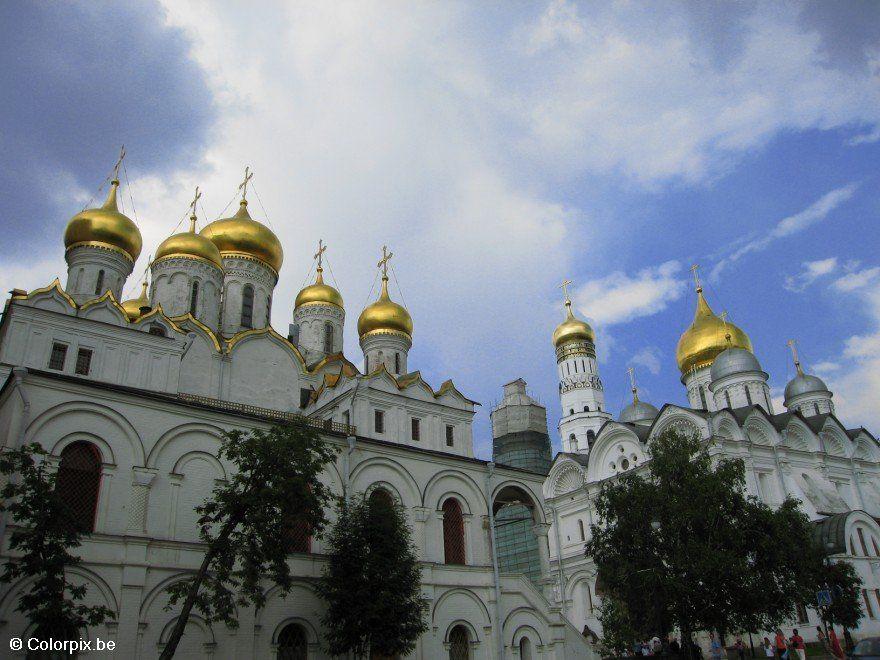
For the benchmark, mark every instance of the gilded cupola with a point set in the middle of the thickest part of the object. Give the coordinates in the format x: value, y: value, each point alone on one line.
x: 572, y: 329
x: 241, y: 235
x: 384, y: 316
x: 707, y: 337
x: 105, y: 227
x: 134, y: 307
x: 189, y: 245
x: 319, y: 293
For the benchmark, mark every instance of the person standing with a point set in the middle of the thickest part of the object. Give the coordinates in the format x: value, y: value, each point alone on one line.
x: 768, y: 648
x: 715, y: 647
x: 780, y: 645
x: 740, y: 648
x: 833, y: 642
x: 797, y: 643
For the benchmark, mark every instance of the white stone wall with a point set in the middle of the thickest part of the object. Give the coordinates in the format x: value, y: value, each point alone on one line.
x: 311, y: 320
x: 238, y: 272
x: 742, y: 389
x: 83, y: 265
x: 172, y: 282
x: 697, y: 385
x: 390, y: 349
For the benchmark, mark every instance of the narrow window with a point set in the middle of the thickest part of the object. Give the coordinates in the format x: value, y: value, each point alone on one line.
x: 453, y: 532
x: 525, y: 649
x: 194, y: 298
x: 581, y: 530
x: 868, y: 608
x: 450, y: 435
x: 816, y: 407
x: 297, y: 535
x: 78, y: 482
x: 748, y: 396
x: 575, y: 366
x: 247, y: 306
x: 589, y: 596
x: 305, y: 393
x: 876, y: 549
x: 83, y: 361
x: 591, y: 436
x: 586, y: 408
x: 99, y: 284
x: 397, y: 363
x: 703, y: 397
x: 459, y: 643
x: 328, y: 337
x: 862, y: 541
x: 366, y: 364
x: 379, y: 421
x: 802, y: 613
x: 346, y: 417
x: 571, y: 411
x: 572, y: 442
x: 56, y: 358
x: 268, y: 310
x: 416, y: 431
x: 852, y: 547
x: 727, y: 398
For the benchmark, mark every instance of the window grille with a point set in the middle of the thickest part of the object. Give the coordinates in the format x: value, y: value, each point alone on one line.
x: 298, y: 535
x: 450, y: 436
x: 292, y: 643
x: 99, y: 284
x: 247, y: 306
x: 381, y: 499
x: 78, y: 482
x: 416, y: 430
x: 83, y: 361
x: 194, y: 298
x: 459, y: 644
x: 56, y: 359
x: 379, y: 421
x: 453, y: 532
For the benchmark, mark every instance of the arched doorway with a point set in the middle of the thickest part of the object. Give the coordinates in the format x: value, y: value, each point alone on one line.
x: 459, y: 643
x: 514, y: 534
x: 525, y: 649
x: 293, y: 644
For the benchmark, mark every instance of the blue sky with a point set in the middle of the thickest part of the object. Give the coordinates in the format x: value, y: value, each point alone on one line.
x: 497, y: 148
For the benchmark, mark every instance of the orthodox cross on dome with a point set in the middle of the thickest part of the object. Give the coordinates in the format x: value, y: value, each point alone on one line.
x: 383, y: 262
x: 319, y: 255
x: 248, y: 175
x: 564, y: 287
x: 118, y: 163
x: 694, y: 269
x: 723, y: 316
x: 632, y: 383
x: 192, y: 206
x: 792, y: 344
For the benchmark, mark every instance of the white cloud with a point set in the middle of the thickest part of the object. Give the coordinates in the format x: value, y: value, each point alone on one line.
x: 649, y: 358
x: 810, y: 272
x: 620, y: 297
x: 824, y: 368
x: 559, y: 23
x: 865, y: 138
x: 856, y: 279
x: 814, y: 213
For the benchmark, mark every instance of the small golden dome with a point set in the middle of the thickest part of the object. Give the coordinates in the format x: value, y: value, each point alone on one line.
x: 189, y: 244
x: 706, y: 337
x: 133, y: 307
x: 572, y: 329
x: 385, y: 315
x: 241, y: 234
x: 318, y: 293
x: 105, y: 227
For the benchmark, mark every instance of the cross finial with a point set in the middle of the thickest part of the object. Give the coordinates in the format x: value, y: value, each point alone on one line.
x: 248, y: 175
x: 632, y: 382
x: 792, y: 344
x: 383, y: 262
x: 319, y: 255
x: 192, y: 206
x: 694, y: 269
x: 564, y: 287
x: 118, y: 164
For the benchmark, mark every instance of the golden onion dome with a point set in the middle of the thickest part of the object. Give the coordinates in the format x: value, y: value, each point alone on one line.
x: 706, y: 338
x: 105, y: 227
x: 242, y: 235
x: 133, y: 307
x: 191, y: 245
x: 385, y: 315
x: 572, y: 329
x: 318, y: 293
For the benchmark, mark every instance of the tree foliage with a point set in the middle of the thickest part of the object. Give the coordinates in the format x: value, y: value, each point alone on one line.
x: 246, y: 522
x: 718, y: 559
x: 45, y: 531
x: 372, y: 582
x: 844, y: 583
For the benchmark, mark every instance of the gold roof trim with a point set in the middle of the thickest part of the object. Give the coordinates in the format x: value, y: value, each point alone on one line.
x: 55, y: 285
x: 189, y: 318
x: 107, y: 295
x: 268, y: 330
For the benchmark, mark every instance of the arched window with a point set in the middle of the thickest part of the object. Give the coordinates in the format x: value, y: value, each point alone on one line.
x: 525, y: 649
x: 581, y: 530
x: 268, y: 310
x: 816, y: 407
x: 397, y: 363
x: 453, y: 532
x: 194, y: 297
x: 703, y: 398
x: 381, y: 498
x: 748, y: 396
x: 459, y: 644
x: 99, y: 285
x: 293, y: 643
x: 247, y: 306
x: 727, y: 398
x: 571, y: 411
x: 591, y: 435
x: 157, y: 329
x: 572, y: 442
x: 586, y: 408
x: 366, y: 364
x: 328, y: 337
x: 78, y: 482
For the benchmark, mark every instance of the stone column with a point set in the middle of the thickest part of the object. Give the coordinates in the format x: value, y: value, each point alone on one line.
x: 421, y: 514
x: 470, y: 557
x: 139, y: 501
x: 541, y: 530
x: 439, y: 547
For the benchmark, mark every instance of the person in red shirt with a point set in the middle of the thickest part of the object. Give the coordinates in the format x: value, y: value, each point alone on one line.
x: 779, y: 643
x: 797, y: 643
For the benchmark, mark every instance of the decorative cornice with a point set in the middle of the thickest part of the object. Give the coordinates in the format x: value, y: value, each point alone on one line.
x: 101, y: 246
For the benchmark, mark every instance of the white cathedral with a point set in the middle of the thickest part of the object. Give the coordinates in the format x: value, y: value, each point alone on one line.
x: 130, y: 398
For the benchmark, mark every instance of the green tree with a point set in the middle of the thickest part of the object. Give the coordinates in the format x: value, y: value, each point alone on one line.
x: 246, y: 523
x: 685, y: 546
x: 372, y: 582
x: 844, y: 583
x: 45, y: 531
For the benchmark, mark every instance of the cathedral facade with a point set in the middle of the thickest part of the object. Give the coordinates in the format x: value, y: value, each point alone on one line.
x: 130, y: 398
x: 803, y: 451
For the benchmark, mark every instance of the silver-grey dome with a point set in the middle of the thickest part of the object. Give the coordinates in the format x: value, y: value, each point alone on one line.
x: 733, y: 361
x: 804, y: 384
x: 638, y: 411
